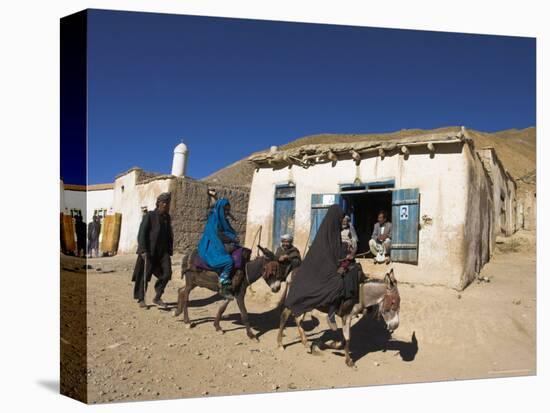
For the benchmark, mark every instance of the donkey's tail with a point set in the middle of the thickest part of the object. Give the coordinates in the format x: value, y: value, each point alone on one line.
x: 285, y: 291
x: 187, y: 262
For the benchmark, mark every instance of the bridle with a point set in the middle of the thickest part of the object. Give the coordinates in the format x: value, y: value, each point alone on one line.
x: 390, y: 302
x: 265, y: 271
x: 269, y: 270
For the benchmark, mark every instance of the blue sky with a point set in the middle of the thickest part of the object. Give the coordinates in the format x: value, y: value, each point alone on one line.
x: 229, y: 87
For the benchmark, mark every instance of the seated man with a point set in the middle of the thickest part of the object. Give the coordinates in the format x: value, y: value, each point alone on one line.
x: 380, y: 242
x: 217, y: 243
x: 288, y: 255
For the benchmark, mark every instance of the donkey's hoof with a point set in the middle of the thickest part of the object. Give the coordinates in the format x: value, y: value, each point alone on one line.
x: 338, y: 345
x: 314, y: 350
x: 281, y: 347
x: 189, y: 325
x: 219, y: 330
x: 176, y: 313
x: 350, y: 363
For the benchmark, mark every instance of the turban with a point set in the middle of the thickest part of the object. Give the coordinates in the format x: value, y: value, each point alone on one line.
x: 287, y: 237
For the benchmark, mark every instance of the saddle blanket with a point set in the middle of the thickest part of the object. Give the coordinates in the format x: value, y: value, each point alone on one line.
x: 238, y: 261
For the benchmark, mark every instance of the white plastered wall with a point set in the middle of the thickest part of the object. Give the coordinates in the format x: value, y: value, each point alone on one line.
x: 129, y: 198
x: 98, y: 199
x: 441, y: 179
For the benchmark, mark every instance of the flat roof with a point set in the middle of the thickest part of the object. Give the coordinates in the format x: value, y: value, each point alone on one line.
x: 308, y: 155
x: 94, y: 187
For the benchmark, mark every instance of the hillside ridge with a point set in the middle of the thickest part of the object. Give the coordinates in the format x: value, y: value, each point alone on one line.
x: 516, y: 148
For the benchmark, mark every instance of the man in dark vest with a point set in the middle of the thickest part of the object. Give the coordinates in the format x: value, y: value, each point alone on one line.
x: 155, y: 247
x: 80, y: 229
x: 288, y: 255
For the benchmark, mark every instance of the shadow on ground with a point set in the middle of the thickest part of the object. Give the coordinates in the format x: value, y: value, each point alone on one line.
x: 51, y: 385
x: 368, y: 335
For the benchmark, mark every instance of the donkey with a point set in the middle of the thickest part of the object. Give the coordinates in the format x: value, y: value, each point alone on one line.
x: 265, y: 267
x: 383, y: 295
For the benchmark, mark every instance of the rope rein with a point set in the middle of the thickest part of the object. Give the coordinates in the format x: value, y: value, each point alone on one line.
x: 259, y: 231
x: 248, y: 279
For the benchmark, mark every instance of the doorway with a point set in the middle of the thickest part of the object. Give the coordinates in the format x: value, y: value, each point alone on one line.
x: 363, y: 208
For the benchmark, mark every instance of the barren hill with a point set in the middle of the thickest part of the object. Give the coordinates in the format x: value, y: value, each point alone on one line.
x: 515, y: 147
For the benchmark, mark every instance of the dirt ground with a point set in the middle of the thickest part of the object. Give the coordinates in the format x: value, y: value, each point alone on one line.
x: 487, y: 330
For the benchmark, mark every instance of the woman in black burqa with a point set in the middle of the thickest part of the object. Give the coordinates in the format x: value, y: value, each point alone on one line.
x: 328, y: 274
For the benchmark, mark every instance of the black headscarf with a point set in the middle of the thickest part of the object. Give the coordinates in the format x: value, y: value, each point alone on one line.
x: 316, y: 282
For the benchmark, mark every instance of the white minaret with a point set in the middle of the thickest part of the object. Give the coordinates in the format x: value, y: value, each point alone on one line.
x: 179, y: 163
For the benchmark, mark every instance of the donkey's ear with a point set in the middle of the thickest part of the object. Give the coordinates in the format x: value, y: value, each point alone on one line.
x: 392, y: 276
x: 387, y: 279
x: 390, y: 279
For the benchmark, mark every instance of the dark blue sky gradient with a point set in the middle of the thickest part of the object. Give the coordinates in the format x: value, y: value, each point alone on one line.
x: 229, y: 87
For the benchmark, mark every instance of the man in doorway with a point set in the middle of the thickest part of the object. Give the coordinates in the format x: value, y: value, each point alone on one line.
x: 288, y: 255
x: 380, y: 242
x: 94, y: 229
x: 155, y: 247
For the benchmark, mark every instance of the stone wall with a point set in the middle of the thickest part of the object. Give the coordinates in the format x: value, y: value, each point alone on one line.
x: 527, y: 208
x: 479, y: 228
x: 190, y: 207
x: 129, y: 197
x: 504, y: 193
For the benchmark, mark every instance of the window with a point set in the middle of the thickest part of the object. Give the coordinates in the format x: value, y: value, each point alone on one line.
x: 283, y: 217
x: 101, y: 212
x: 344, y: 188
x: 320, y: 203
x: 385, y: 184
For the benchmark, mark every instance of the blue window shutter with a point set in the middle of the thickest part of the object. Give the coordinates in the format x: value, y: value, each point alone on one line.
x: 405, y: 225
x: 320, y: 204
x: 283, y: 217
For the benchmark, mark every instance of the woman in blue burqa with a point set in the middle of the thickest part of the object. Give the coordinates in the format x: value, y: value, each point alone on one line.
x: 218, y: 241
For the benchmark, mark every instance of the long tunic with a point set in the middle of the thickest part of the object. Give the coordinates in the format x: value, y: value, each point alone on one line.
x: 316, y: 282
x: 294, y: 258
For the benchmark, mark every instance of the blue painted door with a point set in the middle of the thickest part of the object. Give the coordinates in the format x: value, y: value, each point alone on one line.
x: 405, y: 225
x: 320, y: 204
x: 283, y: 217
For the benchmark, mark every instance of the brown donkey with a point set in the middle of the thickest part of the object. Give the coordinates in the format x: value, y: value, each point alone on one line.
x: 262, y: 267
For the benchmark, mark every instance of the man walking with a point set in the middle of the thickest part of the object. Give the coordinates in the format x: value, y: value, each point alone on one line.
x: 155, y: 247
x: 94, y: 229
x: 80, y: 229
